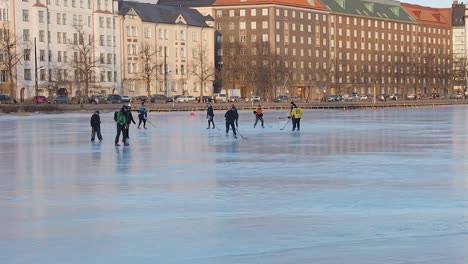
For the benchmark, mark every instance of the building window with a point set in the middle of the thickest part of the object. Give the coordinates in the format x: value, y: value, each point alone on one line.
x: 26, y: 34
x: 27, y: 54
x: 25, y: 15
x: 265, y: 12
x: 27, y: 74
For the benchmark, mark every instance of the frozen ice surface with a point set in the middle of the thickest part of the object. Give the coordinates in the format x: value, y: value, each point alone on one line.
x: 361, y: 186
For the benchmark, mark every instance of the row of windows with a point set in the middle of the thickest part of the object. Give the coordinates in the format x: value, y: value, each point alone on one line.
x: 264, y: 12
x: 74, y: 3
x: 355, y: 21
x: 63, y: 75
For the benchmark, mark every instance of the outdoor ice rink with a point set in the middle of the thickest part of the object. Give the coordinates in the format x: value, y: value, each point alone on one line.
x: 385, y: 186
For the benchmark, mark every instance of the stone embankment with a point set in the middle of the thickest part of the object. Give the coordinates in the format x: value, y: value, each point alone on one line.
x: 169, y: 107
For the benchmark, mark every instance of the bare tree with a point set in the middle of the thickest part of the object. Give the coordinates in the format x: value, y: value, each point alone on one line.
x: 148, y: 58
x: 232, y: 66
x: 12, y: 56
x: 202, y: 66
x: 58, y: 79
x: 84, y: 62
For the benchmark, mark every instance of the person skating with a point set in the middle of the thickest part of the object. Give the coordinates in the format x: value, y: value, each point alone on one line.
x: 121, y: 119
x: 296, y: 114
x: 96, y: 126
x: 210, y: 116
x: 231, y: 117
x: 258, y: 115
x: 292, y: 105
x: 129, y: 116
x: 142, y: 115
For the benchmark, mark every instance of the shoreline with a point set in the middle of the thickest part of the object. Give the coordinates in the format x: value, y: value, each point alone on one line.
x: 25, y: 109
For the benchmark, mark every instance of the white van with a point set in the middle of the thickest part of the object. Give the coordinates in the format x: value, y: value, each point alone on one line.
x: 221, y: 98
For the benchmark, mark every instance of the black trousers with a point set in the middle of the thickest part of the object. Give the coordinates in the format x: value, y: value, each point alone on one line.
x: 127, y: 131
x: 94, y: 131
x: 257, y: 117
x: 142, y: 120
x: 296, y: 123
x: 121, y: 129
x: 210, y: 120
x: 233, y: 127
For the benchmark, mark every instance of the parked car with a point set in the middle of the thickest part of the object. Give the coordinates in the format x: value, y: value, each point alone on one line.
x: 5, y: 99
x: 114, y: 99
x: 382, y: 97
x: 410, y: 97
x: 169, y: 99
x: 205, y: 99
x: 100, y: 98
x: 435, y: 95
x: 221, y: 98
x: 281, y: 98
x: 295, y: 99
x: 140, y: 98
x: 332, y: 98
x: 355, y: 96
x: 186, y: 99
x: 363, y: 97
x: 234, y: 99
x: 40, y: 99
x: 394, y: 97
x: 255, y: 99
x: 458, y: 96
x: 126, y: 99
x: 61, y: 99
x: 158, y: 98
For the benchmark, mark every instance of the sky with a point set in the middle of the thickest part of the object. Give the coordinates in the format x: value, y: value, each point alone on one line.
x: 431, y: 3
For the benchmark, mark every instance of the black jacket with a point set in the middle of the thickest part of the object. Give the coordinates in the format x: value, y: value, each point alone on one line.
x: 209, y: 111
x: 231, y: 115
x: 95, y: 120
x: 129, y: 116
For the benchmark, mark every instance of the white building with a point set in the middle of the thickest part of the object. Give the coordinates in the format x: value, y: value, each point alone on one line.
x: 180, y: 42
x: 47, y: 32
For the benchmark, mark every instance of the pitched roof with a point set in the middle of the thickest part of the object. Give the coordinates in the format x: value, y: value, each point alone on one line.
x: 314, y: 4
x: 429, y: 15
x: 382, y: 9
x: 187, y: 3
x: 163, y: 14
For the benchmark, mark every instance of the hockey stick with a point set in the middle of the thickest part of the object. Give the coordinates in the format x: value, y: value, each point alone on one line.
x: 285, y: 124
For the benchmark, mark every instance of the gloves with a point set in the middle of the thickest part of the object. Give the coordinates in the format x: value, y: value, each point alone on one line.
x: 255, y: 112
x: 289, y: 117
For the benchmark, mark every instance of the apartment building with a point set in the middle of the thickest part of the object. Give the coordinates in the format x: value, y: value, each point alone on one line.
x: 166, y: 50
x: 268, y: 48
x: 459, y: 46
x: 431, y: 49
x: 51, y: 35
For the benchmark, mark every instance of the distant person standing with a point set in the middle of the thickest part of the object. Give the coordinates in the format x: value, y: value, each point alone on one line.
x: 129, y: 116
x: 96, y: 126
x: 258, y: 115
x: 296, y: 115
x: 210, y: 116
x: 231, y: 117
x: 142, y: 115
x: 121, y: 119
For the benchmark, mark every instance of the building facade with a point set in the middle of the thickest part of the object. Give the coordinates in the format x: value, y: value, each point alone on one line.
x: 54, y: 37
x: 166, y: 50
x: 268, y: 48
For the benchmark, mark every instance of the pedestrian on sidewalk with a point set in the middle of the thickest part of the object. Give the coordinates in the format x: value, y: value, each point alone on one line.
x: 210, y: 116
x: 142, y: 115
x: 258, y: 115
x: 231, y: 116
x: 96, y: 126
x: 296, y: 114
x: 121, y: 119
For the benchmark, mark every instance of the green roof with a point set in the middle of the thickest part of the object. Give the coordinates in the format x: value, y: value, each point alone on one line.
x: 382, y: 9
